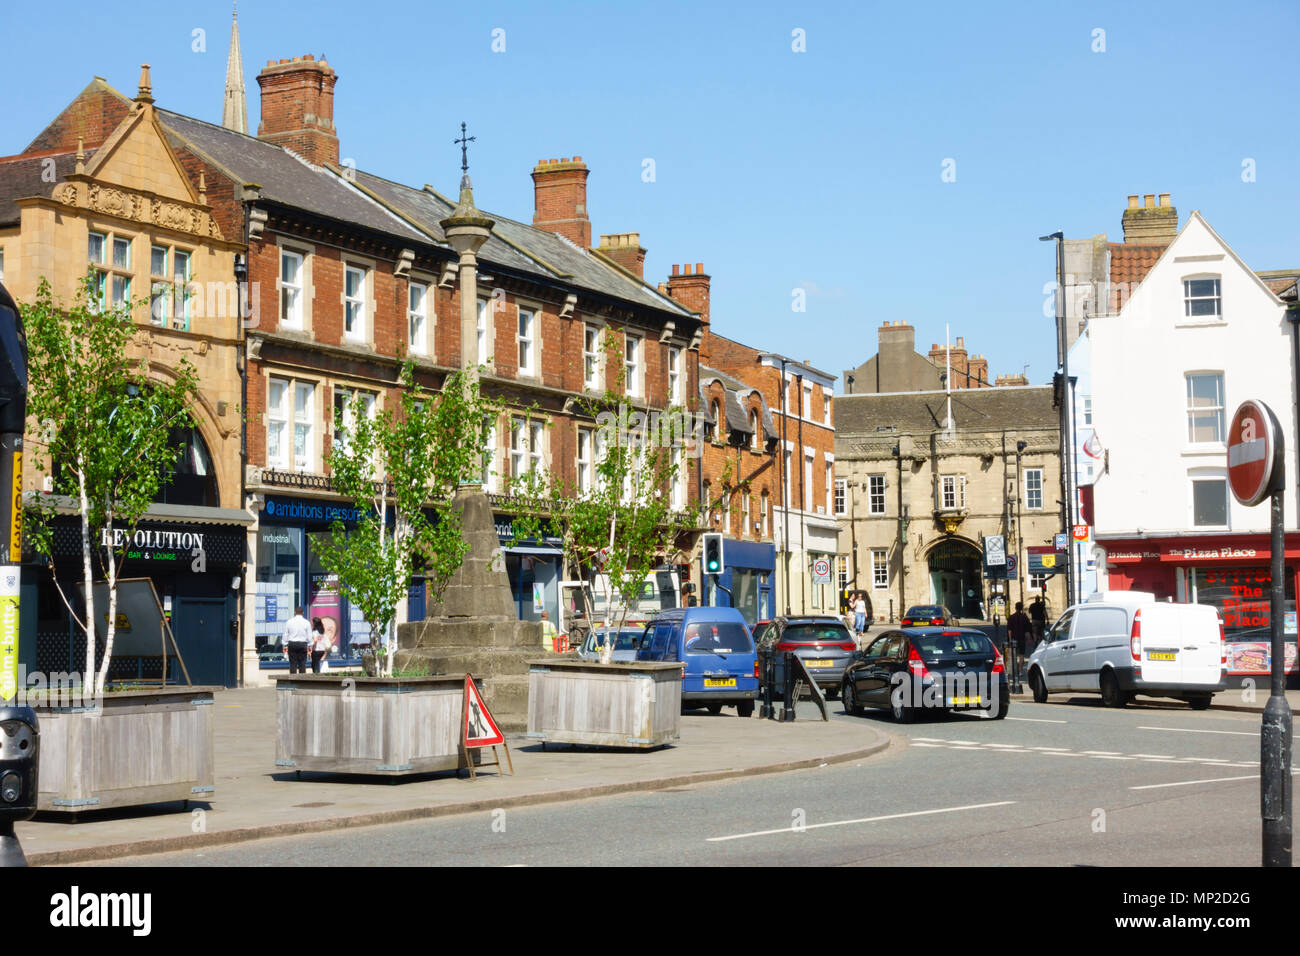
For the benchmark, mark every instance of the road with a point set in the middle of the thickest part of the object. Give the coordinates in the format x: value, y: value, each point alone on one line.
x: 1061, y: 783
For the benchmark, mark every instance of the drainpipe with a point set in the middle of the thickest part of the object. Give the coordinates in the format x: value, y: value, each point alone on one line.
x: 785, y: 488
x: 803, y: 495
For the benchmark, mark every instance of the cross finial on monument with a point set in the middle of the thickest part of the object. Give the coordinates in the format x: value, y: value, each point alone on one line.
x: 464, y: 142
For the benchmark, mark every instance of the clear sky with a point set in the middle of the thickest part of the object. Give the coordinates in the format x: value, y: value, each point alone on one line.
x: 819, y: 170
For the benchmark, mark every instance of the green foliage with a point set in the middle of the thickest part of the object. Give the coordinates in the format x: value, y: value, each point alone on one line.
x: 401, y: 469
x: 100, y: 425
x: 624, y: 525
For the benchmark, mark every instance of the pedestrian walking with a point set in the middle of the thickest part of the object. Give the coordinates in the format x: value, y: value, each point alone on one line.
x: 297, y: 639
x: 321, y: 645
x: 1018, y: 627
x: 1038, y: 615
x: 860, y: 614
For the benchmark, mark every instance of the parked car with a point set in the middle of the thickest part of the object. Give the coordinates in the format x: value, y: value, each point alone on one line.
x: 719, y: 664
x: 824, y: 644
x: 625, y: 643
x: 760, y: 629
x: 928, y: 615
x: 928, y: 668
x: 1123, y: 643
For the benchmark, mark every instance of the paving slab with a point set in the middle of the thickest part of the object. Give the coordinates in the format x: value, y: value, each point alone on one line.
x: 254, y: 799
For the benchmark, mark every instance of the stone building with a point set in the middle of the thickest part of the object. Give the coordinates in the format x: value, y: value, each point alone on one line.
x: 918, y: 489
x: 898, y: 367
x: 104, y: 187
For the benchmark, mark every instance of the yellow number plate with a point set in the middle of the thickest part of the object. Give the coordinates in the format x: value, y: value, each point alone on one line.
x: 719, y: 682
x: 1162, y: 656
x: 959, y: 701
x: 819, y: 663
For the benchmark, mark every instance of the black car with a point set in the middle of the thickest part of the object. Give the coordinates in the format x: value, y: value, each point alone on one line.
x: 923, y: 615
x: 927, y: 668
x: 824, y: 644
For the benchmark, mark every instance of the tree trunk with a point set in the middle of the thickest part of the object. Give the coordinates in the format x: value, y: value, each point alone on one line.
x: 111, y: 626
x: 87, y: 676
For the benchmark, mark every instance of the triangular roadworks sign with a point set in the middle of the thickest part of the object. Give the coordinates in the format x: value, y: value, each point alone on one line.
x: 479, y: 728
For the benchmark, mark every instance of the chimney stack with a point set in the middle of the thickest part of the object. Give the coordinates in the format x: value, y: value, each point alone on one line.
x: 625, y: 249
x: 298, y: 108
x: 560, y: 199
x: 1149, y: 223
x: 691, y: 289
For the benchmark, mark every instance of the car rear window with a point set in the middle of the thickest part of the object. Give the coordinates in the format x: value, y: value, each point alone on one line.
x: 815, y: 634
x: 626, y: 639
x: 717, y: 638
x: 924, y: 610
x: 952, y: 645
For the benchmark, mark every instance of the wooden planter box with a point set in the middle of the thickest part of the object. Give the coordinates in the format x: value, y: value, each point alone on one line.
x: 390, y: 726
x: 131, y: 748
x: 607, y: 705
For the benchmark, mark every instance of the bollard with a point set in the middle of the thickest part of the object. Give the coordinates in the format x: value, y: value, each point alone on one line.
x: 766, y: 711
x: 787, y: 711
x: 20, y: 739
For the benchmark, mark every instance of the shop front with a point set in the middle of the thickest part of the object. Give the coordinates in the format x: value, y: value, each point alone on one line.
x: 746, y: 580
x: 1230, y: 573
x: 290, y: 574
x: 197, y: 569
x: 534, y: 570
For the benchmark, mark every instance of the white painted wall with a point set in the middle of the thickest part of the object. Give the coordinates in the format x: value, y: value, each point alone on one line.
x: 1139, y: 359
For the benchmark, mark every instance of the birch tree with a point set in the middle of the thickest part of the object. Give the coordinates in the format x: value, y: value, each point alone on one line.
x: 100, y: 427
x: 401, y: 467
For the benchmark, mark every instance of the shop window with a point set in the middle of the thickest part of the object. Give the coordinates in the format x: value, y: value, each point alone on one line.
x: 279, y: 564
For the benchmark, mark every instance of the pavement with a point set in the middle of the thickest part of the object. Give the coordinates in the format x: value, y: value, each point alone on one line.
x: 254, y: 800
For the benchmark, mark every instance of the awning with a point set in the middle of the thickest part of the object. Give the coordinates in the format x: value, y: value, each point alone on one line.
x: 534, y: 549
x: 193, y: 514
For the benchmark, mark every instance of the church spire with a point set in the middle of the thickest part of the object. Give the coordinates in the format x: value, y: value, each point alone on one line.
x: 234, y: 114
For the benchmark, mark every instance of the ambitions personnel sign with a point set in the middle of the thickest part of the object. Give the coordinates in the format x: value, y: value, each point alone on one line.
x: 1255, y: 466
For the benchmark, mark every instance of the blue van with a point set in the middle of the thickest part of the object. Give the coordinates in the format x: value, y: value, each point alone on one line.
x: 715, y: 645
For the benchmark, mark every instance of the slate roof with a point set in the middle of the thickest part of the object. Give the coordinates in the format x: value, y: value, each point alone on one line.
x: 21, y: 176
x: 736, y: 392
x: 521, y: 247
x: 974, y: 409
x: 284, y: 177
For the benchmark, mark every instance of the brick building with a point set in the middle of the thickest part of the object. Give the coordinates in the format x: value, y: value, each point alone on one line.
x: 349, y: 273
x: 798, y: 399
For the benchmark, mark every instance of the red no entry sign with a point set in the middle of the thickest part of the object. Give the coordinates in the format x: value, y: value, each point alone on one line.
x: 1254, y: 453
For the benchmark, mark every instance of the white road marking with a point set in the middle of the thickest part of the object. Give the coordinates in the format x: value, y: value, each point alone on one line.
x: 916, y: 743
x: 965, y: 743
x: 1109, y: 756
x: 1189, y: 730
x: 844, y: 823
x: 1102, y: 753
x: 1188, y: 783
x: 1049, y: 748
x: 1039, y: 720
x: 1004, y: 746
x: 1157, y: 756
x: 934, y: 740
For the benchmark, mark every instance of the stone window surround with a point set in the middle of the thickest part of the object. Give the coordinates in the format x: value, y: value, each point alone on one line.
x: 367, y: 267
x: 293, y: 376
x: 430, y: 283
x: 308, y: 253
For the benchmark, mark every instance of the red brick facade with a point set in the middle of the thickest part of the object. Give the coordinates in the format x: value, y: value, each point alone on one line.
x: 560, y: 199
x: 298, y: 108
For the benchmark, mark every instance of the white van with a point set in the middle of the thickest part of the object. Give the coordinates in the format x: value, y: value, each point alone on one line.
x: 1123, y: 643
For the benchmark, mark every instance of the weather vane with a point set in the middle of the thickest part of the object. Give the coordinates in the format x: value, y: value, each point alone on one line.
x: 464, y: 142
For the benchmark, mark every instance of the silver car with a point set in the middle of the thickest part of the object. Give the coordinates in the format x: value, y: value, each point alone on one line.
x: 625, y: 643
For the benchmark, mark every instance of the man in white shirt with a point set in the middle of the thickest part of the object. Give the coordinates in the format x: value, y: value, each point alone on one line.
x: 297, y: 639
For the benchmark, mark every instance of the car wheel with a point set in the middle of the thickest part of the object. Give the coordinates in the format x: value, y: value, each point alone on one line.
x: 1110, y: 693
x: 745, y: 708
x: 850, y: 699
x: 902, y: 715
x: 1038, y: 687
x: 1004, y: 704
x: 1199, y: 703
x: 714, y: 708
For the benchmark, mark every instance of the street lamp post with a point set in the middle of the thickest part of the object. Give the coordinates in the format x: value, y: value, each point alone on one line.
x: 1063, y: 360
x: 1021, y: 569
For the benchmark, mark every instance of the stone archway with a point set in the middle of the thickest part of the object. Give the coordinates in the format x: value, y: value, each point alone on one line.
x: 955, y: 567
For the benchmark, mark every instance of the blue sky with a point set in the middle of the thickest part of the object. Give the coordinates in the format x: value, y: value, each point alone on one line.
x: 777, y: 169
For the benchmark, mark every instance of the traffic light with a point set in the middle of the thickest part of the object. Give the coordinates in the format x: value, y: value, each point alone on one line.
x: 713, y: 553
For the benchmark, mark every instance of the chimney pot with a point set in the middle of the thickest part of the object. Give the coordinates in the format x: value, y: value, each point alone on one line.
x: 1132, y: 202
x: 1164, y: 199
x: 699, y: 267
x: 1149, y: 200
x: 675, y: 269
x: 298, y: 108
x: 577, y: 159
x: 688, y: 268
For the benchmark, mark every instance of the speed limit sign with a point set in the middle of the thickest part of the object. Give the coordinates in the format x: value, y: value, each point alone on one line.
x: 821, y: 571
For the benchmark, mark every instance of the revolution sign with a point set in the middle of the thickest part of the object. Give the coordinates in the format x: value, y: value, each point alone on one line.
x: 1255, y: 466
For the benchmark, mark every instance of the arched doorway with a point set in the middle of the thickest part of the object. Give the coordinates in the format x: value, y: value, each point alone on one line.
x: 193, y: 480
x: 955, y: 577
